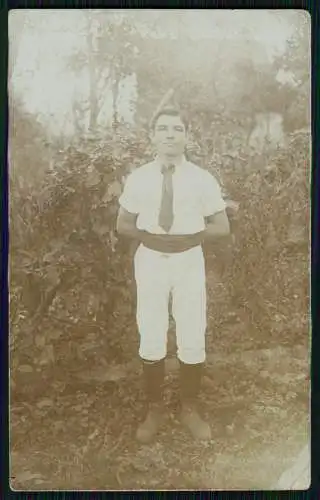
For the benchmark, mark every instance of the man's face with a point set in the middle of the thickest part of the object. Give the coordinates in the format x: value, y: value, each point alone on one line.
x: 169, y: 135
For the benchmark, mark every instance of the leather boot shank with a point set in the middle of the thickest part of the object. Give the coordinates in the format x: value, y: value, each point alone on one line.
x: 153, y: 374
x: 190, y: 383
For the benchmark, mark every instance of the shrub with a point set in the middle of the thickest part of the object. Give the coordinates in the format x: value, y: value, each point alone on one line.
x: 70, y: 274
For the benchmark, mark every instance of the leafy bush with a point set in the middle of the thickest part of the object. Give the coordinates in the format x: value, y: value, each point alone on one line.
x: 70, y: 274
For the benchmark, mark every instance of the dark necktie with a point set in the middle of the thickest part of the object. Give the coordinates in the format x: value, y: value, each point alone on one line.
x: 166, y: 207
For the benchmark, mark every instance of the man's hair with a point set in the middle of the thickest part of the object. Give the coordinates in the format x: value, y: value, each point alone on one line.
x: 169, y: 111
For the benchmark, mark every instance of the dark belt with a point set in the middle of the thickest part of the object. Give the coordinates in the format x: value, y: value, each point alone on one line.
x: 179, y: 247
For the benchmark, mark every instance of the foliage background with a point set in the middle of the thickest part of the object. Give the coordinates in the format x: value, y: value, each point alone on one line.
x: 71, y: 288
x: 65, y: 257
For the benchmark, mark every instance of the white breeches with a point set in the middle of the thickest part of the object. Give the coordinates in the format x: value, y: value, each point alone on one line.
x: 183, y: 275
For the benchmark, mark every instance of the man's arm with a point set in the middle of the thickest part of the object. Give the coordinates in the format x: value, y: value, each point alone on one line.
x: 127, y: 224
x: 217, y: 229
x: 218, y: 241
x: 217, y: 226
x: 214, y: 212
x: 127, y: 227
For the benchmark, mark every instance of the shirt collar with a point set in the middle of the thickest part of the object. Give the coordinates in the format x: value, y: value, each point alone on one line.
x: 178, y: 165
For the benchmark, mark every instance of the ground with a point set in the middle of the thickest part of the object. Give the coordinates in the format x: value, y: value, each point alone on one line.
x: 72, y: 426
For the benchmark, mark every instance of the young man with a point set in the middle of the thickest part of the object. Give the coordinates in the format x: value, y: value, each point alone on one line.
x: 170, y: 207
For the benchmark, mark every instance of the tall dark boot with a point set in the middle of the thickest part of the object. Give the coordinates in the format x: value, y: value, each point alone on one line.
x: 190, y: 384
x: 153, y: 374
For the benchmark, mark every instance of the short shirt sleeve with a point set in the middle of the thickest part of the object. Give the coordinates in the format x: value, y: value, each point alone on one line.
x: 212, y: 200
x: 130, y: 198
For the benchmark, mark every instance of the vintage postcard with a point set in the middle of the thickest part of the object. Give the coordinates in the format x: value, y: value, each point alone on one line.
x: 159, y: 168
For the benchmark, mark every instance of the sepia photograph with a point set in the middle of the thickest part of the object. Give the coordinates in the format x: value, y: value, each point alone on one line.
x: 159, y: 166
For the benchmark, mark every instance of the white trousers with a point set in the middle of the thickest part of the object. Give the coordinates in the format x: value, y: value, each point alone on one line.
x: 183, y: 275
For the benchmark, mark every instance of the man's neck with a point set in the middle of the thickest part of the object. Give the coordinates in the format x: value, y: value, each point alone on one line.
x: 170, y: 160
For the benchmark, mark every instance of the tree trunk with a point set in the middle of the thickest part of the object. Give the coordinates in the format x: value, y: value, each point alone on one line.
x: 93, y: 111
x: 115, y: 94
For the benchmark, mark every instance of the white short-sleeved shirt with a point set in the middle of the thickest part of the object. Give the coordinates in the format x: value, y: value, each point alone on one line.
x: 196, y: 194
